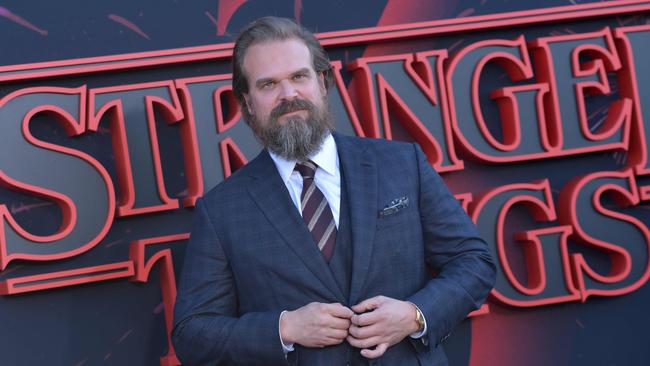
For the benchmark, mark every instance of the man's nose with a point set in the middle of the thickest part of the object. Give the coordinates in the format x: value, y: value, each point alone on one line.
x: 287, y: 90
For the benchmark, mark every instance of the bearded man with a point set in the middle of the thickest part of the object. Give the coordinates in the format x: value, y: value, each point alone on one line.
x: 318, y: 251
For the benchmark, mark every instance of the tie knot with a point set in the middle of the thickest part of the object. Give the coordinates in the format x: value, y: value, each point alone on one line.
x: 307, y: 169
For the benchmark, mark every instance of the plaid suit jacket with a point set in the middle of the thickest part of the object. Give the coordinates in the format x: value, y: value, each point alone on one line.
x: 249, y: 259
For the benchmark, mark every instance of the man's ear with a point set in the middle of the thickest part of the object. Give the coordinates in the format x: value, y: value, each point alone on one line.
x: 321, y: 82
x: 247, y: 104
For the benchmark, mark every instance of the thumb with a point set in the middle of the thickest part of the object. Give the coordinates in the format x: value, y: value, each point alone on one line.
x: 374, y: 353
x: 367, y: 305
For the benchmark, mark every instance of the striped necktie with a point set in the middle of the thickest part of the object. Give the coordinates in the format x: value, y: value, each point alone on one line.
x: 315, y: 210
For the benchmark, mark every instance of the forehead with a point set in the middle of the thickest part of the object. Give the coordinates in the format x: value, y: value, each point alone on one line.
x: 275, y: 59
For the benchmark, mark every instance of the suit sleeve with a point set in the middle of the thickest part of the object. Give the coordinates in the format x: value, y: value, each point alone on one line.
x: 465, y: 271
x: 207, y: 327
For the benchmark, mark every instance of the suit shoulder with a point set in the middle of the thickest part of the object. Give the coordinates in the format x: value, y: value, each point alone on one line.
x: 379, y: 144
x: 229, y: 187
x: 392, y: 157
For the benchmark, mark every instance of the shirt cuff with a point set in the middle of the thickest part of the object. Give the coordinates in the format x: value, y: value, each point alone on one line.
x: 416, y: 335
x: 286, y: 348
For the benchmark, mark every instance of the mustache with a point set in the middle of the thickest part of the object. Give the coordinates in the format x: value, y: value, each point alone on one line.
x: 293, y: 105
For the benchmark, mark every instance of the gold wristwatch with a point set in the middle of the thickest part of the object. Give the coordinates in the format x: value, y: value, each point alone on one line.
x: 419, y: 318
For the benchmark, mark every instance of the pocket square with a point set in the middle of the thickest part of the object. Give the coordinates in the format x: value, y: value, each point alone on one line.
x: 394, y: 206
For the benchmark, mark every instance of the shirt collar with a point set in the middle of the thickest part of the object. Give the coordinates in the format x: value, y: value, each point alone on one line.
x: 326, y: 158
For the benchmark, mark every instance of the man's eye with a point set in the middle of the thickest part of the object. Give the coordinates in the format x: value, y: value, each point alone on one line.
x: 268, y: 85
x: 299, y: 77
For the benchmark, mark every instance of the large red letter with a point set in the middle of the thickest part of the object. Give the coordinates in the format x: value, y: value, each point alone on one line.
x: 558, y: 63
x: 216, y: 141
x: 623, y: 238
x: 423, y: 117
x: 545, y: 250
x: 522, y: 119
x: 73, y: 180
x: 135, y: 141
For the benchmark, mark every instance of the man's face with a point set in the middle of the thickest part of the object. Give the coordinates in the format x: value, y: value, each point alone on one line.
x: 286, y: 99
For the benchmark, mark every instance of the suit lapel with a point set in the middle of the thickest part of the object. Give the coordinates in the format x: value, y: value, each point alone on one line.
x: 359, y: 170
x: 269, y: 192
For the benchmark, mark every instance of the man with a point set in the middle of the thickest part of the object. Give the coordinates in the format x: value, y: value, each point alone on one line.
x: 317, y: 251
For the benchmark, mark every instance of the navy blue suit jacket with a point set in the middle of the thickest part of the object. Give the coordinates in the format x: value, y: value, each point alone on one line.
x: 249, y: 258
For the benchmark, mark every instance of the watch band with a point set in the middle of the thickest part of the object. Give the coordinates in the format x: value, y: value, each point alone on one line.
x: 419, y: 318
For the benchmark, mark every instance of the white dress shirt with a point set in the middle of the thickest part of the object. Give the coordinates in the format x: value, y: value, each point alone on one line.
x: 327, y: 178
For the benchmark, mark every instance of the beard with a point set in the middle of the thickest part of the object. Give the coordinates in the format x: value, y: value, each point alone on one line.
x: 297, y: 138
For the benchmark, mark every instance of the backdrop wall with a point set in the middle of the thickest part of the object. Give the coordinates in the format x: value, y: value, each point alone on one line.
x: 116, y: 116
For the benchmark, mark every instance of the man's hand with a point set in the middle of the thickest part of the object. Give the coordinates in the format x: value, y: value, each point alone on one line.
x: 316, y: 325
x: 381, y: 323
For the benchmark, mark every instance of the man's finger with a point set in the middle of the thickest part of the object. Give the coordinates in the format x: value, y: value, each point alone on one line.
x: 366, y: 319
x: 363, y: 343
x: 339, y: 323
x: 339, y: 311
x: 366, y: 305
x: 331, y: 341
x: 364, y: 332
x: 337, y: 334
x: 374, y: 353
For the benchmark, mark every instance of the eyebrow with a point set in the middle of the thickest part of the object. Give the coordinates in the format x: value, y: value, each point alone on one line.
x: 263, y: 81
x: 304, y: 70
